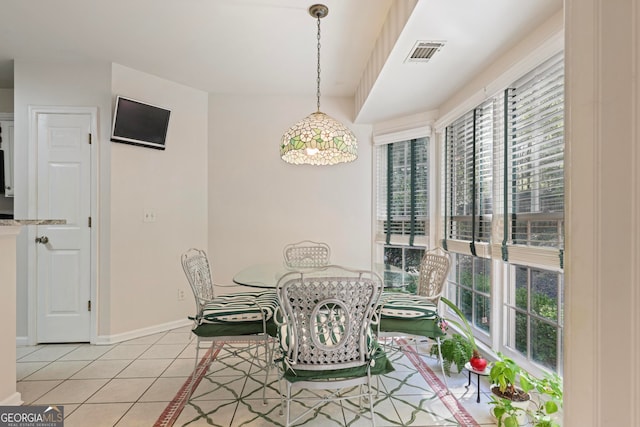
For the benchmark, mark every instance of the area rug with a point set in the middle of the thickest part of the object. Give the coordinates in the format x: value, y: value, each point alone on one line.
x: 228, y: 392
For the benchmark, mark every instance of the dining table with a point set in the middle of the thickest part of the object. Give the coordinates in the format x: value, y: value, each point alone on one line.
x: 267, y: 275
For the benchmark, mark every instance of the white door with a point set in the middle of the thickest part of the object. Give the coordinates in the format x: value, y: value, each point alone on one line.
x: 63, y: 251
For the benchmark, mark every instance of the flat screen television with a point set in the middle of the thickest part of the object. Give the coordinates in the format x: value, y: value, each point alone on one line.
x: 139, y: 123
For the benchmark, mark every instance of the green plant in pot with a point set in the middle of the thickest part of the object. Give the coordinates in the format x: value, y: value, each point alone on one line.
x: 458, y: 349
x: 510, y: 401
x: 546, y: 399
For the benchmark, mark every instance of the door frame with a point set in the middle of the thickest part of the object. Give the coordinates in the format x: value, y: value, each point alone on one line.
x: 32, y: 194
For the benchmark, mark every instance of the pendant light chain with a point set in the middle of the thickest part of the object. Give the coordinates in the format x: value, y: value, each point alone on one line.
x: 318, y: 79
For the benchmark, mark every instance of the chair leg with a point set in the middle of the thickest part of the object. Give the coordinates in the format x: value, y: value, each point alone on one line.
x: 444, y: 376
x: 267, y: 360
x: 281, y: 396
x: 373, y: 416
x: 288, y: 404
x: 195, y: 372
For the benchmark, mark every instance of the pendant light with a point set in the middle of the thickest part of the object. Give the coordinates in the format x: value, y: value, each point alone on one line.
x: 318, y: 139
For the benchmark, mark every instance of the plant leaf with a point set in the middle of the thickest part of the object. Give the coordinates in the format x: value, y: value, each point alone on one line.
x: 511, y: 421
x: 526, y: 385
x: 550, y: 407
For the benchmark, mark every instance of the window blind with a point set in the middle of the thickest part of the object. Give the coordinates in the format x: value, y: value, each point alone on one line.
x: 469, y: 176
x: 535, y: 166
x: 403, y: 190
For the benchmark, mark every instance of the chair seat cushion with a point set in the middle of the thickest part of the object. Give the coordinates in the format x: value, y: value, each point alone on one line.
x: 219, y: 329
x: 238, y: 314
x: 409, y: 314
x: 240, y: 307
x: 407, y: 306
x: 421, y: 327
x: 380, y: 365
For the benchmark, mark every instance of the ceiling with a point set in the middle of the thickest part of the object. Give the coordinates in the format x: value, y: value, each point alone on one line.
x: 269, y: 46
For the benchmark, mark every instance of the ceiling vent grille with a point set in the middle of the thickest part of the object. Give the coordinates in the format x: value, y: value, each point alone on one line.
x: 423, y: 51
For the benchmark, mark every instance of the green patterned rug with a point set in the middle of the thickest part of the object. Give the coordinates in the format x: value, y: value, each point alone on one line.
x: 229, y: 393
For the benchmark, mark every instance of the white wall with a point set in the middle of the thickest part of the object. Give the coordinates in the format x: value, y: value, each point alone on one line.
x: 8, y: 393
x: 145, y: 257
x: 258, y: 203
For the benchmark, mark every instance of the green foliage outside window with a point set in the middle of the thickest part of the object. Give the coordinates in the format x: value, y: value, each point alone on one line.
x: 404, y: 259
x: 537, y: 315
x: 544, y: 335
x: 475, y: 290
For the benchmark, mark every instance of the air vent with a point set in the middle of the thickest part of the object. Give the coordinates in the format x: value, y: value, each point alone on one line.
x: 423, y: 51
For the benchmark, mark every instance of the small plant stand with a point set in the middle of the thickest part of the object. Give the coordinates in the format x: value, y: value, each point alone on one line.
x: 479, y: 374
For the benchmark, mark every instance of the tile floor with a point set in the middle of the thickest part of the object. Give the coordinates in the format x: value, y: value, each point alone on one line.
x: 132, y: 382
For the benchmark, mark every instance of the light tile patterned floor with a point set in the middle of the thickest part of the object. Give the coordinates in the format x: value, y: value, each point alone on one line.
x: 132, y: 383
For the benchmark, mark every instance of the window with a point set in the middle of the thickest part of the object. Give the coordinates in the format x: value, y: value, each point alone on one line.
x: 535, y: 143
x: 469, y: 176
x: 469, y: 288
x: 513, y: 224
x: 468, y: 209
x: 403, y: 196
x: 406, y: 259
x: 535, y: 315
x: 402, y: 217
x: 534, y: 171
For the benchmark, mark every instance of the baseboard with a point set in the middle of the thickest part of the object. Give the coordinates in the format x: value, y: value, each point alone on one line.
x: 14, y: 399
x: 22, y: 341
x: 143, y: 332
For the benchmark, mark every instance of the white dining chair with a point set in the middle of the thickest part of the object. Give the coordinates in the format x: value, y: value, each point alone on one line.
x: 240, y: 317
x: 307, y: 254
x: 326, y: 340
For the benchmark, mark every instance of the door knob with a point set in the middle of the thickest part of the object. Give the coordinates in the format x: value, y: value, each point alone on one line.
x: 42, y: 239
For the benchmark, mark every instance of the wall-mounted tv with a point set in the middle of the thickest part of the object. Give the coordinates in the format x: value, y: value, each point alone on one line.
x: 139, y: 123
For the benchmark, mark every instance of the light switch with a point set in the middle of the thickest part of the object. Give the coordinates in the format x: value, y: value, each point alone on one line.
x: 149, y: 215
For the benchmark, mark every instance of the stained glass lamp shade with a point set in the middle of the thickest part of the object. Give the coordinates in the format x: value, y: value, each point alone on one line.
x: 318, y: 140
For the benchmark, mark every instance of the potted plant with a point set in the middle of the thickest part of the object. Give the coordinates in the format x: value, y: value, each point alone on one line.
x: 456, y: 350
x: 546, y: 399
x: 510, y: 401
x: 455, y: 345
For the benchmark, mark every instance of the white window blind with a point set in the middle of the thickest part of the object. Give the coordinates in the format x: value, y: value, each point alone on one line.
x: 403, y: 191
x: 535, y: 158
x: 469, y: 176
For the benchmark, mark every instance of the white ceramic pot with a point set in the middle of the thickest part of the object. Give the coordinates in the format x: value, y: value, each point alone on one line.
x: 522, y: 417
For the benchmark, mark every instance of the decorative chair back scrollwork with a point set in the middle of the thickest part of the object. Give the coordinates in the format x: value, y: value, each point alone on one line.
x: 434, y: 268
x: 306, y: 254
x: 196, y: 267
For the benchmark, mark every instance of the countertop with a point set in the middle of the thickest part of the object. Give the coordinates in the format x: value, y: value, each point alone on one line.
x: 10, y: 222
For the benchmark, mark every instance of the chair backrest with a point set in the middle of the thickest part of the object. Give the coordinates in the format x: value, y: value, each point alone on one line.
x: 306, y: 254
x: 196, y: 267
x: 434, y: 268
x: 327, y: 319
